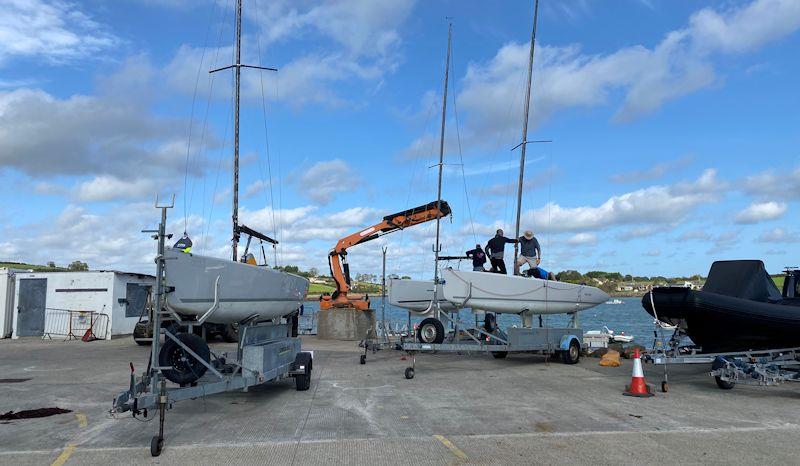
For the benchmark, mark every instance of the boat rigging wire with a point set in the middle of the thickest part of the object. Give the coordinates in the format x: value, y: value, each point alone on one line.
x: 461, y: 154
x: 187, y: 205
x: 266, y: 138
x: 219, y: 169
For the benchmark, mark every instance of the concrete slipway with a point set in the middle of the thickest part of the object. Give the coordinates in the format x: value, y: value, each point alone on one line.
x: 522, y: 410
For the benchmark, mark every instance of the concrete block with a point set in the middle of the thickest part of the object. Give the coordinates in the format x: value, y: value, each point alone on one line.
x: 346, y: 324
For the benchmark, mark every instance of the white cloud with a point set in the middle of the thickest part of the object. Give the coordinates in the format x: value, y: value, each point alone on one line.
x: 639, y: 232
x: 109, y: 188
x: 724, y: 242
x: 655, y: 172
x: 779, y: 235
x: 652, y: 205
x: 55, y: 31
x: 769, y: 184
x: 653, y: 253
x: 355, y: 40
x: 761, y: 212
x: 580, y: 239
x: 491, y: 93
x: 694, y: 235
x: 323, y: 180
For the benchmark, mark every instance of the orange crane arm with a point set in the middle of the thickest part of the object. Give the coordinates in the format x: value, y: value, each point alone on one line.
x: 337, y: 259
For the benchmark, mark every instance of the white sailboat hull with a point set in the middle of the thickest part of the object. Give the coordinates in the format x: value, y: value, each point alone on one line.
x: 416, y: 295
x: 508, y: 294
x: 244, y: 289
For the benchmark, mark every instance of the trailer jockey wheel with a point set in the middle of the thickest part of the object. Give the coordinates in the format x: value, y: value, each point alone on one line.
x: 430, y: 330
x: 156, y: 445
x: 185, y: 368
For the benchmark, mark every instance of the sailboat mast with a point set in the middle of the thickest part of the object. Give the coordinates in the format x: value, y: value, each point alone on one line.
x: 436, y: 248
x: 525, y: 129
x: 237, y: 73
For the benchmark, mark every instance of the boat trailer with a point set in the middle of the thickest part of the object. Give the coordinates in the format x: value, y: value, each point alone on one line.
x: 755, y: 367
x: 466, y: 339
x: 265, y: 352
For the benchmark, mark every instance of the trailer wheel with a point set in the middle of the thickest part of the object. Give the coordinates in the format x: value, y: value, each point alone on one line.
x: 185, y: 369
x: 230, y: 333
x: 573, y: 354
x: 302, y: 382
x: 409, y: 373
x: 430, y: 330
x: 499, y: 354
x: 156, y: 444
x: 724, y: 384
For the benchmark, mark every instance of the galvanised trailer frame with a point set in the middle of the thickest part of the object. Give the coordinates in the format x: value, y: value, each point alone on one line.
x: 753, y: 367
x: 265, y: 352
x: 467, y: 339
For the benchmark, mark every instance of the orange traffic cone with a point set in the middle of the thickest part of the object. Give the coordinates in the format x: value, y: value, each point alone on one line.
x: 638, y: 386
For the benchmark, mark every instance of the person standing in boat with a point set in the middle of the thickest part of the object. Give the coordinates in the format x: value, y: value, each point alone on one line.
x: 478, y: 258
x: 495, y: 248
x: 530, y: 252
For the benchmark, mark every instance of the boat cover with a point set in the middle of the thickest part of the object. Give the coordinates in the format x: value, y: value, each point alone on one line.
x: 745, y: 279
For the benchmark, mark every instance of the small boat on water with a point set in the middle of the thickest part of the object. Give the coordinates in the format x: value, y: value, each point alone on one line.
x: 615, y: 301
x: 739, y: 308
x: 609, y: 335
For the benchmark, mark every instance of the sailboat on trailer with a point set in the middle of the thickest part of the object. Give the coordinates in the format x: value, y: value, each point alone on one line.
x: 502, y: 293
x: 229, y: 291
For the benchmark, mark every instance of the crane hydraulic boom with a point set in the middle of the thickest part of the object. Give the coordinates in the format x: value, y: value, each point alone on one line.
x: 337, y: 258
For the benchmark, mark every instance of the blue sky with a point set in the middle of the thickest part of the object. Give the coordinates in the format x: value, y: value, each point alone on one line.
x: 674, y: 129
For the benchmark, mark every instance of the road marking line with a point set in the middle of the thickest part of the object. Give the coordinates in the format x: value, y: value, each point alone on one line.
x: 453, y: 449
x: 82, y: 421
x: 64, y: 456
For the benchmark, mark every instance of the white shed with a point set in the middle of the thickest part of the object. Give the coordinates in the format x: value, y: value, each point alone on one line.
x: 67, y: 304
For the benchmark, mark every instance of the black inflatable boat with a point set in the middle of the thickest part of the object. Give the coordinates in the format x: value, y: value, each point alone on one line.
x: 738, y: 309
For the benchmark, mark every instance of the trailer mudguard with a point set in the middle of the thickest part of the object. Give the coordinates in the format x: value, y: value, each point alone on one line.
x: 566, y: 340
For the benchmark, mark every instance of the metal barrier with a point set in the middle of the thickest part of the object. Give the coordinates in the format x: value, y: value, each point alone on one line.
x: 75, y: 324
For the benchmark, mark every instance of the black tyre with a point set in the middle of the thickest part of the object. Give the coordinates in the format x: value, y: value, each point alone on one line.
x: 489, y: 322
x: 230, y: 333
x: 185, y: 368
x: 573, y: 354
x: 156, y: 445
x: 363, y: 359
x: 499, y: 354
x: 409, y: 373
x: 724, y: 384
x: 430, y: 330
x: 302, y: 382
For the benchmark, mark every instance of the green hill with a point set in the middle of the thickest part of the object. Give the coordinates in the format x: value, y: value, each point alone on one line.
x: 34, y: 267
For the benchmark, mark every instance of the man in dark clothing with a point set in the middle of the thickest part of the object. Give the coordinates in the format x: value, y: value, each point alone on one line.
x: 495, y: 248
x: 478, y: 258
